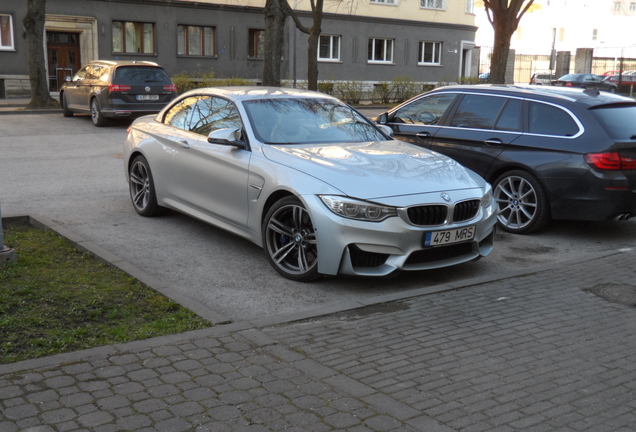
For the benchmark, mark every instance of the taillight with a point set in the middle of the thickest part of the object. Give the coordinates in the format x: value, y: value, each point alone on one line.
x: 568, y: 84
x: 118, y: 88
x: 171, y: 87
x: 610, y: 161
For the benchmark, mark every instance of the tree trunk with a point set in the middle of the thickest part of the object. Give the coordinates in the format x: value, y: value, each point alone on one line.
x: 314, y: 35
x: 312, y: 48
x: 499, y: 59
x: 504, y: 15
x: 34, y: 26
x: 275, y: 18
x: 312, y: 58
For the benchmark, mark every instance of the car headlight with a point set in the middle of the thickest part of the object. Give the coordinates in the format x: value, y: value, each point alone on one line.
x: 356, y: 209
x: 486, y: 200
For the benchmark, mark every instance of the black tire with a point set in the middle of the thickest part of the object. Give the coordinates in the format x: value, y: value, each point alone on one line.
x: 65, y: 110
x: 522, y: 204
x: 96, y: 114
x: 289, y: 240
x: 142, y: 188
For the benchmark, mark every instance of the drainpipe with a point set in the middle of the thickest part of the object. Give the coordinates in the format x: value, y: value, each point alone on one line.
x: 6, y: 254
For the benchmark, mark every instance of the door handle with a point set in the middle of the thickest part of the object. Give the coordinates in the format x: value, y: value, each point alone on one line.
x: 184, y: 144
x: 493, y: 142
x: 423, y: 135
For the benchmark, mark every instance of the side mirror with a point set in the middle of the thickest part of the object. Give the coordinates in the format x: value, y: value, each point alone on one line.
x: 386, y: 129
x: 227, y: 136
x: 383, y: 118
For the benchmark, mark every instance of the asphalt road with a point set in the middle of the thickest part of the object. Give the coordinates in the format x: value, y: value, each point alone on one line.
x: 68, y: 171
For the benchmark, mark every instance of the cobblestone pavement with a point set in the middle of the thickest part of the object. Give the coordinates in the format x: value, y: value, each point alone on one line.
x: 551, y: 350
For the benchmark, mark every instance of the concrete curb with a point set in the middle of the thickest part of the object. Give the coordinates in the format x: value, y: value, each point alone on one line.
x: 223, y: 325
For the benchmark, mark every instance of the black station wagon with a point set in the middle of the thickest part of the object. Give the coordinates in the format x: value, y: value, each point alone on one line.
x: 117, y: 89
x: 549, y: 152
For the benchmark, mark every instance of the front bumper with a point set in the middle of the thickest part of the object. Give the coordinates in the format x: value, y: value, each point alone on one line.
x: 356, y: 248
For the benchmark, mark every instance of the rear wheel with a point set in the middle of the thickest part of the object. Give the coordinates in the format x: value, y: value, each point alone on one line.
x: 289, y: 240
x: 522, y: 204
x: 96, y: 114
x: 65, y: 110
x: 142, y: 188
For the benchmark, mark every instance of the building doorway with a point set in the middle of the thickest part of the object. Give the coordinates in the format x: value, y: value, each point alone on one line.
x: 63, y: 54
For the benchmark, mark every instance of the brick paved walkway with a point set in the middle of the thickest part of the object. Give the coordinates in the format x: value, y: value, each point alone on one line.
x: 539, y: 352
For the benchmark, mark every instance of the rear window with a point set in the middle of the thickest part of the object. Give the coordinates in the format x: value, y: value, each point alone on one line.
x: 619, y: 121
x: 139, y: 75
x: 544, y: 119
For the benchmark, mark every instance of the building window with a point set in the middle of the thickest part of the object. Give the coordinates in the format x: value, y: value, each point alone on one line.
x: 195, y: 40
x: 133, y: 37
x: 381, y: 50
x: 329, y: 48
x: 433, y: 4
x: 6, y: 32
x: 257, y: 39
x: 430, y: 53
x: 470, y: 6
x: 595, y: 34
x: 617, y: 6
x: 632, y: 6
x: 388, y: 2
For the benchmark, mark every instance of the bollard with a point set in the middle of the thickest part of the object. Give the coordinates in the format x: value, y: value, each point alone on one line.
x: 6, y: 254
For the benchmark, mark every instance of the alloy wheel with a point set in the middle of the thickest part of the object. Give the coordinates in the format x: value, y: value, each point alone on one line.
x: 139, y: 185
x: 290, y: 240
x: 517, y: 202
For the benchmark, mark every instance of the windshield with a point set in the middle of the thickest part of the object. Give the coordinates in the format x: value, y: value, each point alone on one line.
x: 618, y: 120
x: 308, y: 120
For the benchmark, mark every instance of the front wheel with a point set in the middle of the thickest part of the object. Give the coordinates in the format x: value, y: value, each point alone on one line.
x: 65, y: 110
x: 289, y: 240
x: 142, y: 188
x: 96, y: 114
x: 521, y: 202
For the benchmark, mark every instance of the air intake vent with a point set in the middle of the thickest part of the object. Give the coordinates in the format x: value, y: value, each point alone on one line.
x: 360, y: 258
x: 439, y: 253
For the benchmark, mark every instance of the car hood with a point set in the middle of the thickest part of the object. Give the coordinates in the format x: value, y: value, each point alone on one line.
x: 372, y: 170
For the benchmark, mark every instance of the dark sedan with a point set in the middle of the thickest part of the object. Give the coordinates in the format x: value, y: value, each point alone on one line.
x: 550, y: 153
x: 586, y: 81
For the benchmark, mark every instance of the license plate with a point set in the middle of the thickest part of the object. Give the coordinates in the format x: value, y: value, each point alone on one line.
x: 147, y: 97
x: 438, y: 238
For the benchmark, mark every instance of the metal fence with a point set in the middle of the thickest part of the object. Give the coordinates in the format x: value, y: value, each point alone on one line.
x: 606, y: 61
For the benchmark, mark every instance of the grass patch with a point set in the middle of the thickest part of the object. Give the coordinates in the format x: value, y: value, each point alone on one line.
x: 56, y: 299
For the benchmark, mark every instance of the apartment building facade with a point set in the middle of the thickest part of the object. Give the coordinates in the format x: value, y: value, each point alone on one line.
x: 361, y: 40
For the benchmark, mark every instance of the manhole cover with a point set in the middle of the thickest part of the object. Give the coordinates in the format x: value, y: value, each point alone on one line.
x: 616, y: 293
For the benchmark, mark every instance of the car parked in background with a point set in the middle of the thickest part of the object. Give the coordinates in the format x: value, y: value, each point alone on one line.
x: 626, y: 78
x: 316, y: 184
x: 117, y: 89
x: 484, y: 77
x: 549, y: 152
x: 586, y: 81
x: 542, y: 79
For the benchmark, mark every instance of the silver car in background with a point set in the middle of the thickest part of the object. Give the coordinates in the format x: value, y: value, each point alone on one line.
x: 321, y: 188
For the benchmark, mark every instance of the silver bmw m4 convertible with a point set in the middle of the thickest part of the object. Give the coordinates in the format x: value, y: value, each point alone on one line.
x: 317, y: 185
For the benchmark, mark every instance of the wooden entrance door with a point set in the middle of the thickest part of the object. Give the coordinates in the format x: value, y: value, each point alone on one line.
x: 63, y: 53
